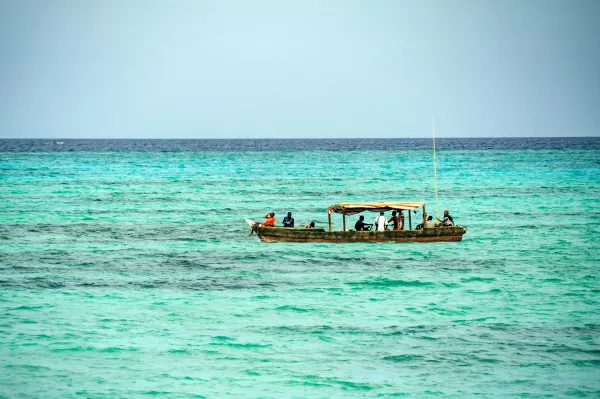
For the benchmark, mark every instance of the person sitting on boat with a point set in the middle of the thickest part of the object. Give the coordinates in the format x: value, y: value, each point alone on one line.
x: 395, y: 221
x: 429, y: 224
x: 288, y: 221
x: 310, y: 225
x: 380, y: 221
x: 448, y: 221
x: 361, y: 225
x: 270, y: 219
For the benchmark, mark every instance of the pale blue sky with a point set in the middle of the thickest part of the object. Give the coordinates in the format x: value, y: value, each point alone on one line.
x: 295, y: 69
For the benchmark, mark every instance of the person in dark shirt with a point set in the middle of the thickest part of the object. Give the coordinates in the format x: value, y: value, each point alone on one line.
x: 361, y: 225
x: 448, y: 221
x: 288, y: 221
x: 394, y: 220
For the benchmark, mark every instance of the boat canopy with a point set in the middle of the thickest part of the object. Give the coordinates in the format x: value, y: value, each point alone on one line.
x: 354, y: 208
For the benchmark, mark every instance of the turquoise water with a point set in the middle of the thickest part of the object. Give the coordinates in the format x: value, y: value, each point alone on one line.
x: 131, y: 274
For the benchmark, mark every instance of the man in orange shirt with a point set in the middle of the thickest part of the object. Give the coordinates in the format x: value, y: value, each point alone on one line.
x: 270, y: 219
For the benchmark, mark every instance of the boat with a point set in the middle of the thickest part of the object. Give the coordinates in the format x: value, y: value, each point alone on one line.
x: 59, y: 142
x: 419, y: 234
x: 436, y: 234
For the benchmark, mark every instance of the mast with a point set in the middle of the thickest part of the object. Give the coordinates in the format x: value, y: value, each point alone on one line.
x: 434, y: 170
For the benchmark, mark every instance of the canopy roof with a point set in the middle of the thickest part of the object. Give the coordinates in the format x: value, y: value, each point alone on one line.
x: 358, y: 207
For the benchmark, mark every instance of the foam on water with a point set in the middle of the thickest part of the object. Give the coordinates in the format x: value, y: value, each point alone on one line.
x: 126, y: 270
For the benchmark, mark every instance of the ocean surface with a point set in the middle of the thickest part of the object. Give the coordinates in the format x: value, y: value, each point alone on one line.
x: 126, y: 271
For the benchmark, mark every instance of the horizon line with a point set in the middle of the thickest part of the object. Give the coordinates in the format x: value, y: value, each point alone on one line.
x: 297, y: 138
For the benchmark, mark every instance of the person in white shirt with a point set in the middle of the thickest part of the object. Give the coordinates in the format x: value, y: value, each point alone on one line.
x: 429, y: 224
x: 380, y: 222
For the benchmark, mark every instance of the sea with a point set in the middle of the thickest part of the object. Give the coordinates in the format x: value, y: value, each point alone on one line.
x: 127, y: 270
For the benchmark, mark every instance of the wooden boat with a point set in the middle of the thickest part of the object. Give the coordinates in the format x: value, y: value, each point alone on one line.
x: 436, y: 234
x: 419, y: 234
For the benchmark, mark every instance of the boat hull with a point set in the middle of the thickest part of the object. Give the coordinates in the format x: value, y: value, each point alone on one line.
x: 439, y: 234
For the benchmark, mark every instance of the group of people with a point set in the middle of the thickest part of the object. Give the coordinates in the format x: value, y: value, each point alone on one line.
x: 288, y: 221
x: 429, y: 223
x: 396, y: 222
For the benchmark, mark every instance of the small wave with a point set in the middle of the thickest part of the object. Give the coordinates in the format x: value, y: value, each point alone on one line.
x: 587, y: 362
x: 466, y: 321
x: 478, y: 279
x: 486, y: 360
x: 566, y: 348
x: 27, y: 367
x: 384, y: 283
x: 294, y: 309
x: 241, y: 346
x: 316, y: 381
x: 93, y: 284
x: 492, y: 291
x: 114, y: 349
x: 178, y: 351
x: 73, y: 349
x: 404, y: 358
x: 50, y: 284
x: 305, y: 329
x: 223, y: 338
x: 27, y: 308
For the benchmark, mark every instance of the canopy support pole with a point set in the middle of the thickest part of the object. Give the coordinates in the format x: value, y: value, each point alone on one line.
x: 409, y: 221
x: 329, y: 216
x: 344, y: 221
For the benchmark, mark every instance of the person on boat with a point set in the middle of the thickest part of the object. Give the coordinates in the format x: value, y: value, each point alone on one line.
x: 310, y: 225
x: 429, y: 224
x: 395, y: 221
x: 361, y: 225
x: 401, y: 226
x: 288, y: 221
x: 448, y: 221
x: 380, y: 221
x: 270, y: 219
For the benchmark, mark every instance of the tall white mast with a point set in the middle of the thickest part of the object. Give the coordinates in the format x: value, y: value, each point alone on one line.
x: 435, y: 171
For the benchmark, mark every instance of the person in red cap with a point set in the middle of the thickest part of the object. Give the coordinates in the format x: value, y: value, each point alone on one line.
x: 448, y: 221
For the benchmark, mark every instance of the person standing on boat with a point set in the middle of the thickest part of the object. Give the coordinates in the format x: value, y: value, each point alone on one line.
x: 380, y: 222
x: 288, y: 221
x: 448, y: 221
x: 395, y: 221
x: 270, y: 222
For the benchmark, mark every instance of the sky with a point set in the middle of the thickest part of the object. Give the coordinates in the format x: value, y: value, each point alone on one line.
x: 299, y: 69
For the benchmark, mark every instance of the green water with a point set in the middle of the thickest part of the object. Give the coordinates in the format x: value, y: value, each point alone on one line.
x: 131, y: 274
